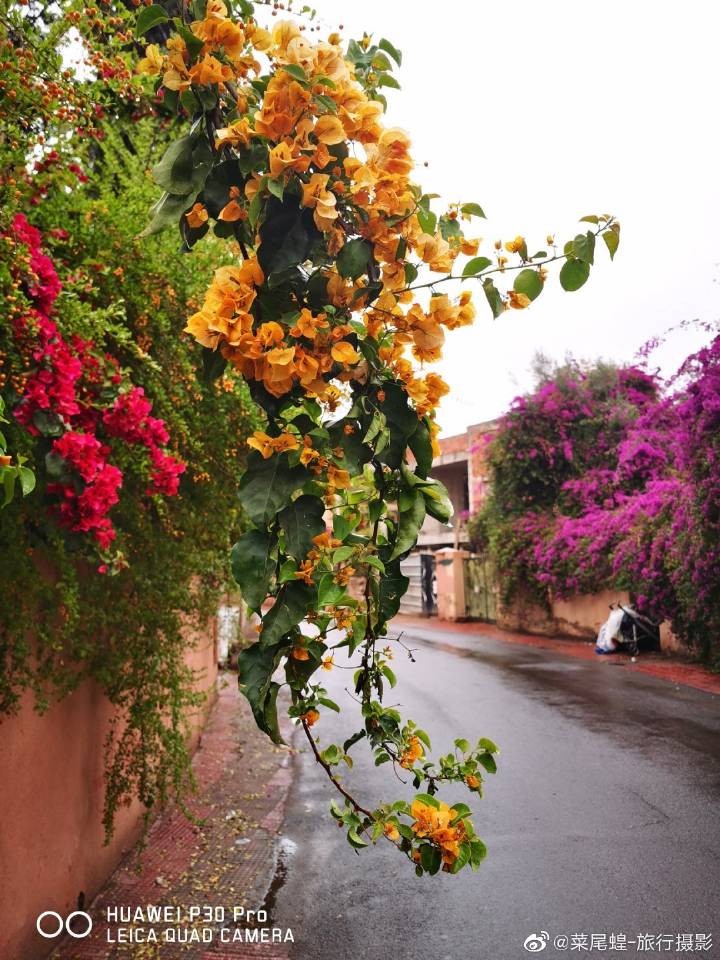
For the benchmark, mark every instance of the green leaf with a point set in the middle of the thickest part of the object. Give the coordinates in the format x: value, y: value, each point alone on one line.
x: 402, y: 423
x: 253, y: 564
x: 591, y: 218
x: 387, y: 672
x: 391, y: 590
x: 213, y: 365
x: 475, y: 266
x: 497, y: 304
x: 27, y: 480
x: 584, y: 247
x: 342, y: 554
x: 329, y: 592
x: 478, y: 852
x: 148, y: 18
x: 327, y: 103
x: 410, y: 521
x: 194, y: 44
x: 302, y: 520
x: 612, y: 239
x: 376, y: 562
x: 353, y: 258
x: 276, y: 188
x: 330, y: 704
x: 574, y: 274
x: 256, y: 665
x: 473, y: 209
x: 356, y: 452
x: 421, y: 445
x: 437, y: 501
x: 290, y: 607
x: 411, y: 274
x: 388, y: 80
x: 267, y: 485
x: 529, y: 283
x: 449, y: 228
x: 430, y: 858
x: 393, y: 51
x: 255, y: 209
x: 9, y: 476
x: 296, y: 72
x: 488, y: 761
x: 331, y: 754
x: 355, y: 840
x: 488, y: 745
x: 166, y: 212
x: 427, y: 220
x: 428, y: 800
x: 184, y: 166
x: 287, y: 234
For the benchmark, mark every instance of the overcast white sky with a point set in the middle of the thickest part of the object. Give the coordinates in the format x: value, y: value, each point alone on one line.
x: 544, y: 112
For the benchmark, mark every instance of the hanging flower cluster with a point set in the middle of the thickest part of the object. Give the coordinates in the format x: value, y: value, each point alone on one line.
x: 75, y: 399
x: 326, y: 317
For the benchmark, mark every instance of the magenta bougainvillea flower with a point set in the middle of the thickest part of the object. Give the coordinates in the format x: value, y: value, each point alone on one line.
x: 76, y: 400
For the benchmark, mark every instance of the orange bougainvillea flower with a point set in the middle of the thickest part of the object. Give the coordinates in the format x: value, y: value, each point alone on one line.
x: 518, y: 301
x: 232, y: 210
x: 237, y: 134
x: 338, y: 479
x: 344, y: 352
x: 266, y: 445
x: 196, y: 216
x: 282, y: 158
x: 305, y: 572
x: 209, y: 70
x: 308, y: 325
x: 152, y: 63
x: 311, y: 717
x: 285, y: 442
x: 434, y: 823
x: 329, y: 130
x: 428, y: 337
x: 516, y: 245
x: 324, y: 541
x: 391, y: 831
x: 328, y: 663
x: 262, y: 443
x: 300, y: 653
x: 412, y: 754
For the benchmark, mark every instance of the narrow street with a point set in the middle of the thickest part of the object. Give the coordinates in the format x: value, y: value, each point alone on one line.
x: 602, y: 819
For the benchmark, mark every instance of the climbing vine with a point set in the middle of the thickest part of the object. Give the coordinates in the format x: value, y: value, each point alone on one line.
x: 327, y: 317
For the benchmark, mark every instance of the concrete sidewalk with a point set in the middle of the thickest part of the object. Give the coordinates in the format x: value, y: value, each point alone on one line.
x: 222, y: 864
x: 670, y: 668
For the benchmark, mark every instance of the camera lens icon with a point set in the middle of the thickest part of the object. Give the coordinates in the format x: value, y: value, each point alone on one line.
x: 50, y: 924
x: 536, y: 942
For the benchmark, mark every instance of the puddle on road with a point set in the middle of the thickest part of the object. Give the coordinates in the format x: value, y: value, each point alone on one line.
x: 286, y: 849
x: 554, y: 667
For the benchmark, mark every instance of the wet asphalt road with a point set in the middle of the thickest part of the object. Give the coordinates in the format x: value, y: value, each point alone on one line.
x: 603, y: 817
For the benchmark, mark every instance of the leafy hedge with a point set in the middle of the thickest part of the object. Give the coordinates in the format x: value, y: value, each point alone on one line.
x: 601, y: 480
x: 123, y: 544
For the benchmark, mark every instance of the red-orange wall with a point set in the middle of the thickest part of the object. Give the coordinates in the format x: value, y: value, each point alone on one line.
x: 51, y: 804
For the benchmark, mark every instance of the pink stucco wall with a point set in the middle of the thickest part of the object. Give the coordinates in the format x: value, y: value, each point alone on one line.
x: 580, y: 616
x: 51, y: 802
